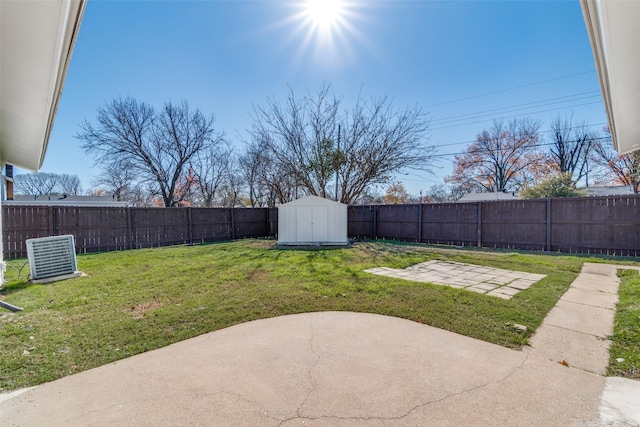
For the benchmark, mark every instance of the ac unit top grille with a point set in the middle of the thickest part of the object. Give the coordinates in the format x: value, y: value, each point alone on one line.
x: 51, y: 256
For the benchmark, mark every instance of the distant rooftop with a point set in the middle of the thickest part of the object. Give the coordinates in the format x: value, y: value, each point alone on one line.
x: 612, y: 190
x: 61, y: 200
x: 487, y: 197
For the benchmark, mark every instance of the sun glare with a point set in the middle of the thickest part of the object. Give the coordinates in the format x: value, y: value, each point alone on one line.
x: 324, y: 13
x: 326, y: 29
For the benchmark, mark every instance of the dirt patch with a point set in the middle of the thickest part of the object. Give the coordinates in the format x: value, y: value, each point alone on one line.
x: 261, y: 244
x: 138, y: 310
x: 258, y: 275
x: 314, y: 247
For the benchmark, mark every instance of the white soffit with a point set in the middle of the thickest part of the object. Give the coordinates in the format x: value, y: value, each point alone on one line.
x: 36, y: 42
x: 615, y: 39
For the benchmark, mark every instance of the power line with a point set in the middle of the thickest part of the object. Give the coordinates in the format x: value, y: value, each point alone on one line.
x: 539, y: 145
x: 543, y: 103
x: 518, y: 115
x: 511, y: 88
x: 524, y: 108
x: 542, y: 131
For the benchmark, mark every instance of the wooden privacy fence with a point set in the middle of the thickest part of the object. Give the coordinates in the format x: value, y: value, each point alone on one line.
x: 602, y: 225
x: 98, y: 229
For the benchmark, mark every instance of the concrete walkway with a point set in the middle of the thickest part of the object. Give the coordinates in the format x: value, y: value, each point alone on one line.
x: 354, y: 369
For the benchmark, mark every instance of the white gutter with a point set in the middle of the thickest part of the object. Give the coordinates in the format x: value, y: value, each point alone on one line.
x: 593, y: 19
x: 614, y: 34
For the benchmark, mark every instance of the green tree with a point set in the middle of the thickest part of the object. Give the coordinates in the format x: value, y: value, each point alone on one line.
x: 560, y: 185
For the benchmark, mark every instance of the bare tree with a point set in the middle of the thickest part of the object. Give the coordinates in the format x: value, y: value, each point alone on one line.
x: 378, y: 142
x: 69, y: 185
x: 156, y: 146
x: 571, y: 145
x: 117, y: 181
x: 266, y: 179
x: 310, y: 140
x: 210, y: 166
x: 503, y: 158
x: 252, y: 165
x: 622, y: 169
x: 298, y: 136
x: 43, y: 183
x: 443, y: 193
x: 233, y: 184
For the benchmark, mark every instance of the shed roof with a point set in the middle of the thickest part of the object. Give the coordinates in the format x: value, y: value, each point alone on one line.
x: 312, y: 201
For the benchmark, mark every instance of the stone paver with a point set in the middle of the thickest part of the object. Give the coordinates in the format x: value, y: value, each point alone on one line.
x: 495, y: 282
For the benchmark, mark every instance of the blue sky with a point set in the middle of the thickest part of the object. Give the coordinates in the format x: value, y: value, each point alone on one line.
x: 464, y: 62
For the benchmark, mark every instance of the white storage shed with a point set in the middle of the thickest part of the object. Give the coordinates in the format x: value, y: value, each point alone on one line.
x: 312, y: 220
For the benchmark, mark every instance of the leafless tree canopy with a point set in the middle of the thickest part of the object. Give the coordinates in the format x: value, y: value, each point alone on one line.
x: 622, y: 169
x: 443, y: 193
x: 503, y: 158
x: 571, y: 145
x: 311, y: 141
x: 255, y: 172
x: 232, y: 183
x: 211, y: 167
x: 156, y: 146
x: 42, y: 183
x: 267, y: 180
x: 117, y: 181
x: 69, y: 185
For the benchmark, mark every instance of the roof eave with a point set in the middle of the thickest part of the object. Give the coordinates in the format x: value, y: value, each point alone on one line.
x: 613, y: 34
x: 37, y: 43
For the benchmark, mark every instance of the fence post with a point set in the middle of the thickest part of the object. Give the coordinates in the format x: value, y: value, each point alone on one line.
x: 548, y: 226
x: 129, y: 228
x: 51, y: 227
x: 420, y: 223
x: 479, y: 224
x: 375, y: 222
x: 233, y: 225
x: 190, y: 226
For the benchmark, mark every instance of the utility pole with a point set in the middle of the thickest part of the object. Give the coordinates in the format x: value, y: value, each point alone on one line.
x: 337, y: 160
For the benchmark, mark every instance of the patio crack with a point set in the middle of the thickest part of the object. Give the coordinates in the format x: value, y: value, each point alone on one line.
x: 310, y: 375
x: 469, y: 390
x: 382, y: 419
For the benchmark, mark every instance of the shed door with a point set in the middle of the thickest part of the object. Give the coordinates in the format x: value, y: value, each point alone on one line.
x: 312, y: 224
x: 304, y: 224
x: 320, y: 224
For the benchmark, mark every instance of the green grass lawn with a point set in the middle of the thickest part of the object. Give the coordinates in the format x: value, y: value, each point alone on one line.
x: 140, y: 300
x: 625, y: 346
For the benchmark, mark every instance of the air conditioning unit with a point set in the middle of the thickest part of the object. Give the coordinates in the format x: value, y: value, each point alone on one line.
x: 52, y: 258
